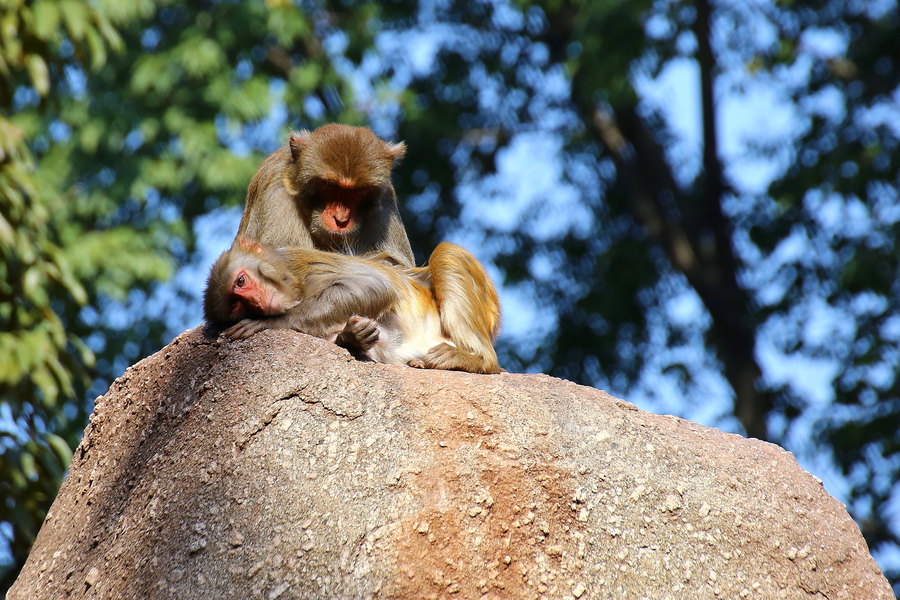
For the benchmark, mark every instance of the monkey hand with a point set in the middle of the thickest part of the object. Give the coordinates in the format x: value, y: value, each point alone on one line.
x: 245, y: 328
x: 359, y: 335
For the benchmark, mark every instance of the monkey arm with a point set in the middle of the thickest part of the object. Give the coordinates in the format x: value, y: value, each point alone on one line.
x: 334, y: 291
x: 247, y: 327
x: 318, y: 323
x: 362, y: 290
x: 396, y: 243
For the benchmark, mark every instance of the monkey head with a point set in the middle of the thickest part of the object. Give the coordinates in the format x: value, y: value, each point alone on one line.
x: 248, y: 280
x: 341, y: 176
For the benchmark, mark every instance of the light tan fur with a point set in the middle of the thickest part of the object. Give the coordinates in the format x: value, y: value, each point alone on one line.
x: 468, y: 306
x: 443, y: 316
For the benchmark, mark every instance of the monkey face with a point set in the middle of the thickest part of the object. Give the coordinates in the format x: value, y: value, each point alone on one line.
x: 248, y: 296
x: 257, y: 287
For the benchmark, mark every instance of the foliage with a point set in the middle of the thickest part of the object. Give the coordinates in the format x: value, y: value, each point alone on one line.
x: 44, y: 365
x: 142, y: 117
x: 766, y: 260
x: 121, y: 124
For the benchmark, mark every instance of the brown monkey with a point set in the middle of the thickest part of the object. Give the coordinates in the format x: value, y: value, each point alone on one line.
x: 328, y: 189
x: 443, y: 316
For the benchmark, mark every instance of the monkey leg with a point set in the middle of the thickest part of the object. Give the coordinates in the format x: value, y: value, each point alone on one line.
x: 358, y: 336
x: 469, y: 311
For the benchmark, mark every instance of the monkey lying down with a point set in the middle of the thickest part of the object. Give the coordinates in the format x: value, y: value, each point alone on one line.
x: 442, y: 316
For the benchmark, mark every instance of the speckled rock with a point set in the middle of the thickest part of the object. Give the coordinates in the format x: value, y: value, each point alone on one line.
x: 279, y: 467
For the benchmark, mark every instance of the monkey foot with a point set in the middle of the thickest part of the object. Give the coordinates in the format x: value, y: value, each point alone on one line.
x: 447, y: 357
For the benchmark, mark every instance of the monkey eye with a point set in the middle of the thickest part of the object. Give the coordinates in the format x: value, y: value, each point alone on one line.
x: 240, y: 281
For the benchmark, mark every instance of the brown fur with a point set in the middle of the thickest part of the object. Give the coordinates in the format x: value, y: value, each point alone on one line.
x: 334, y: 165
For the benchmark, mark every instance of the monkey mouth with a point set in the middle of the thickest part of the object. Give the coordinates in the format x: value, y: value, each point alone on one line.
x: 341, y: 225
x: 339, y: 217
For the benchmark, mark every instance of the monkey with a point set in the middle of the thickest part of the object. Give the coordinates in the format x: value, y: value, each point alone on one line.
x: 328, y: 189
x: 445, y: 315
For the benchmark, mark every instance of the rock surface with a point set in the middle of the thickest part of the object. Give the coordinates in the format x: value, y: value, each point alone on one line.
x: 279, y: 467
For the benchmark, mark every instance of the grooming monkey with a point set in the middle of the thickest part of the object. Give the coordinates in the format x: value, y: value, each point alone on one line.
x: 328, y: 189
x: 442, y: 316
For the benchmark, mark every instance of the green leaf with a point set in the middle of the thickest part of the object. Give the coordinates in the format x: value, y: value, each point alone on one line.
x: 28, y: 465
x: 75, y: 17
x: 288, y: 23
x: 60, y: 448
x: 46, y: 19
x: 85, y: 354
x: 97, y: 48
x: 306, y: 77
x: 152, y: 72
x: 37, y: 70
x: 32, y: 286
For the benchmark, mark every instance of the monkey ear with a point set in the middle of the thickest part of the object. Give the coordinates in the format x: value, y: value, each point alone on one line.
x: 395, y: 151
x: 249, y: 246
x: 297, y: 142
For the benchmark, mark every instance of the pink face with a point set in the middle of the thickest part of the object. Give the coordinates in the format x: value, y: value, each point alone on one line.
x: 248, y: 296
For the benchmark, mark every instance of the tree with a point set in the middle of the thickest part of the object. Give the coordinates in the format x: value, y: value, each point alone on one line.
x: 43, y: 269
x: 129, y: 157
x: 122, y: 124
x: 660, y: 228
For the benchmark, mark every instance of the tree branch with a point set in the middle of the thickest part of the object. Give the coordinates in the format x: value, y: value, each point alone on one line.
x: 646, y: 177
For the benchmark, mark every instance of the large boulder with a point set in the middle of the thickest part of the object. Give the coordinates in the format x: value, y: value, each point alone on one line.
x: 279, y: 467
